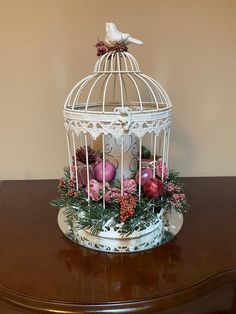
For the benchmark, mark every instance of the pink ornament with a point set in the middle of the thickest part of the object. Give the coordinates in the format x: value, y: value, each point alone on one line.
x: 110, y: 171
x: 146, y: 174
x: 153, y: 188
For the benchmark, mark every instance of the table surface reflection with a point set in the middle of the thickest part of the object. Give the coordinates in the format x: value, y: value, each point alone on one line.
x: 40, y: 267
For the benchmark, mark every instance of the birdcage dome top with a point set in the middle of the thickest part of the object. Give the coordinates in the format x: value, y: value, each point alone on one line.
x: 117, y: 97
x: 113, y: 62
x: 117, y: 81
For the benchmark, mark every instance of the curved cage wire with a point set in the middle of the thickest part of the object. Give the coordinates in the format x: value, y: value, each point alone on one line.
x: 117, y: 82
x: 117, y: 109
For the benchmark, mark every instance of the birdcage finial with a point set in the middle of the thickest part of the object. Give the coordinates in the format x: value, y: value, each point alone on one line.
x: 114, y: 37
x: 115, y: 41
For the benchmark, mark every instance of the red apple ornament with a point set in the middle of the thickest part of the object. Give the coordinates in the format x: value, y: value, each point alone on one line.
x: 110, y: 171
x: 146, y: 174
x: 153, y: 188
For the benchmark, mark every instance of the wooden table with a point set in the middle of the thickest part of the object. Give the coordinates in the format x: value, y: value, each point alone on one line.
x: 41, y: 271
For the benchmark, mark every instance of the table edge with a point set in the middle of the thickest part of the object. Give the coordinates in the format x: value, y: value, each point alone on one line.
x: 160, y: 302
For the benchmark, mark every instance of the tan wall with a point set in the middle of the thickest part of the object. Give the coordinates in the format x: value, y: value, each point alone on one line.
x: 47, y: 46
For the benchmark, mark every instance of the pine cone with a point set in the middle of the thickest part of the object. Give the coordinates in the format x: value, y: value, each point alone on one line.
x: 127, y: 206
x: 81, y: 155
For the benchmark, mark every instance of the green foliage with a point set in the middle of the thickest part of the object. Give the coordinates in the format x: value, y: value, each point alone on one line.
x: 93, y: 217
x: 145, y: 152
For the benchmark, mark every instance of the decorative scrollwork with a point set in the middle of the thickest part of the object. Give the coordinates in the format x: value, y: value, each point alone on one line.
x: 136, y: 128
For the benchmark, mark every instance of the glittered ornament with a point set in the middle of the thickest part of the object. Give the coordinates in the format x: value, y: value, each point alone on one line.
x: 110, y: 171
x: 153, y: 188
x: 146, y: 174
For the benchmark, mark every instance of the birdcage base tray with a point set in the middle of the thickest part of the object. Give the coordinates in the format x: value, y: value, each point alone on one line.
x: 153, y: 236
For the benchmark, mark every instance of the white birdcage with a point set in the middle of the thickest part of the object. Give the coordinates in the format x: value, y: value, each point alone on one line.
x: 117, y: 109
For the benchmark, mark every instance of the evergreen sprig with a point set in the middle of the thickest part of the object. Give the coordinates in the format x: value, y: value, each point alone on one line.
x: 90, y: 215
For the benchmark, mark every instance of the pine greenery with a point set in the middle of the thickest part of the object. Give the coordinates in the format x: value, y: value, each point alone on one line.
x: 93, y: 217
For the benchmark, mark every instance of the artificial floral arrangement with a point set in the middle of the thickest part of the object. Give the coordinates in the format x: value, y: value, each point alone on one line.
x: 120, y: 209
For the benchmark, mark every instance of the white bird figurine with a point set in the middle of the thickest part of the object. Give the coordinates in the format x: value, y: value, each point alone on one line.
x: 114, y: 37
